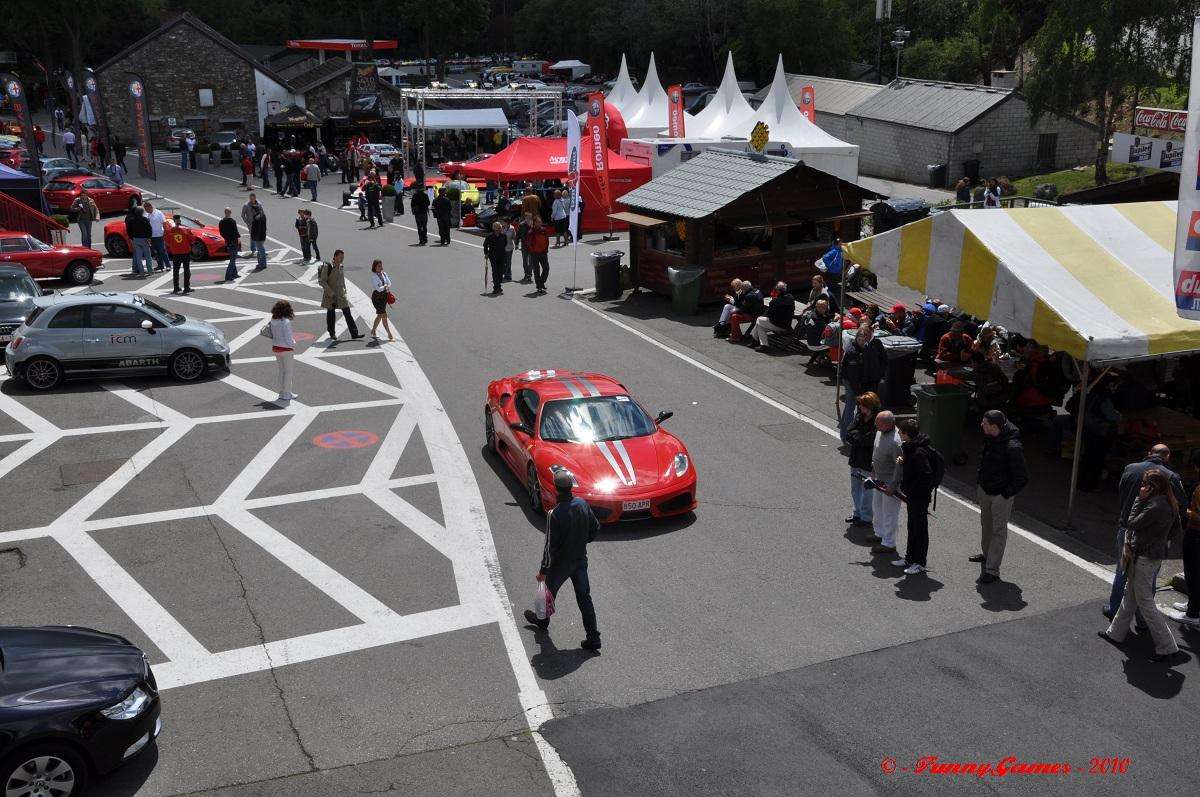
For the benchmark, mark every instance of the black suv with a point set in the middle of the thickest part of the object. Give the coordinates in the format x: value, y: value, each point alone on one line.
x: 17, y: 291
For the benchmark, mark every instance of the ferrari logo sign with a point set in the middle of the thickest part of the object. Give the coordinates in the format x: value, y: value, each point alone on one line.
x: 90, y: 84
x: 135, y: 88
x: 759, y: 137
x: 14, y: 89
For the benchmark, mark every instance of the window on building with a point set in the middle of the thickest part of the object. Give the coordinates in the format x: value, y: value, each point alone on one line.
x: 1047, y: 150
x: 809, y: 234
x: 205, y: 97
x: 337, y: 104
x: 732, y: 242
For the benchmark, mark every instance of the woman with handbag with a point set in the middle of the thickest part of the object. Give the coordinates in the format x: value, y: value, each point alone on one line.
x: 283, y: 343
x: 381, y: 297
x: 1153, y: 521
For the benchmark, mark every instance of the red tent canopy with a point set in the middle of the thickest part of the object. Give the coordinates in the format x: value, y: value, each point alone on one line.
x: 528, y: 159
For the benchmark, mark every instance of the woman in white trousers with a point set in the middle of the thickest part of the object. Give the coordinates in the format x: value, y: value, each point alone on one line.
x: 283, y: 343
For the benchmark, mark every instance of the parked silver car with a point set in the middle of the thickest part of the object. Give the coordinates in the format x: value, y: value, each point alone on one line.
x: 90, y: 334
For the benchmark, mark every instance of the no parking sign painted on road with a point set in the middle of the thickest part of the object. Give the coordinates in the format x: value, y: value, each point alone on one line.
x: 346, y: 438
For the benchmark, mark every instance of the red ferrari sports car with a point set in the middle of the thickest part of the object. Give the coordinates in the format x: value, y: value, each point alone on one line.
x: 626, y: 466
x: 109, y: 197
x: 208, y: 244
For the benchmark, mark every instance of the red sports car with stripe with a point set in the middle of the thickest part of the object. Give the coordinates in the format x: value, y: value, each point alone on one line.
x: 208, y: 244
x: 626, y: 466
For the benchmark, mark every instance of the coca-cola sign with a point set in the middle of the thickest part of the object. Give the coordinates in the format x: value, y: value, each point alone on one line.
x: 1161, y: 119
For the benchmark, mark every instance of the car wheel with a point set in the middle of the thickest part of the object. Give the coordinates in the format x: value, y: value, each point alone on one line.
x: 42, y: 373
x: 489, y: 431
x: 78, y: 273
x: 115, y: 245
x: 199, y: 250
x: 44, y: 770
x: 188, y: 365
x: 535, y: 491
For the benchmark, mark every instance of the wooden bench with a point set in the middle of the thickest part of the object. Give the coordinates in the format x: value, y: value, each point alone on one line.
x: 879, y: 299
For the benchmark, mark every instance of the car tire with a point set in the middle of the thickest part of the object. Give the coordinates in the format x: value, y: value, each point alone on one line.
x: 489, y: 431
x: 42, y: 373
x: 188, y: 365
x: 199, y: 250
x: 47, y: 758
x: 115, y: 246
x: 534, y: 489
x: 78, y: 272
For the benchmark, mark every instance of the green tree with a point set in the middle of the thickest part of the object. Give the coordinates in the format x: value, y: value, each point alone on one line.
x: 446, y: 26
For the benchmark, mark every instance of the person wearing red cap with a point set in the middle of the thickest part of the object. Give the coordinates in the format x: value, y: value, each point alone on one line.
x: 895, y: 321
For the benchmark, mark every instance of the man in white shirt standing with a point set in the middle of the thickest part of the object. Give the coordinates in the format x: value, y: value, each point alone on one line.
x: 69, y: 144
x: 158, y: 245
x: 885, y: 504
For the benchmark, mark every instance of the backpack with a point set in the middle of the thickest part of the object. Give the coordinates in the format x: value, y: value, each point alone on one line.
x: 937, y: 464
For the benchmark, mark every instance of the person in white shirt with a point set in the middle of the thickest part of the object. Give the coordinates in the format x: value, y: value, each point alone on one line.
x: 558, y: 214
x: 283, y: 343
x: 69, y: 144
x: 381, y: 289
x: 158, y: 244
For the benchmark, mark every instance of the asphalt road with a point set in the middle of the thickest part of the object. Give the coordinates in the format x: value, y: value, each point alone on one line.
x: 346, y: 619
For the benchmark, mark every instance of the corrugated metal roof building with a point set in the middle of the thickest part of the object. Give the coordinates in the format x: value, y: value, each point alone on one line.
x: 982, y: 131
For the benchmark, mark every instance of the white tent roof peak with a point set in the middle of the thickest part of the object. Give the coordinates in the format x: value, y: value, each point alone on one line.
x: 780, y: 114
x: 652, y: 111
x: 624, y: 97
x: 727, y: 113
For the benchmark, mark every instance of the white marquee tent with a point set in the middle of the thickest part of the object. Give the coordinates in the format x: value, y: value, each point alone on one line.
x: 650, y: 116
x: 623, y: 96
x: 727, y: 113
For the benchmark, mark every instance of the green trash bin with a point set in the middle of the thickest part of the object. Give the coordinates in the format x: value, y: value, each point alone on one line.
x: 685, y: 289
x: 942, y: 414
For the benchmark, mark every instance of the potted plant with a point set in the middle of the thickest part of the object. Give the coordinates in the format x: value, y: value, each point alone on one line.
x: 389, y: 203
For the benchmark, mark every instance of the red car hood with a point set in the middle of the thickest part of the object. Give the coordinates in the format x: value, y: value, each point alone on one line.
x: 606, y: 466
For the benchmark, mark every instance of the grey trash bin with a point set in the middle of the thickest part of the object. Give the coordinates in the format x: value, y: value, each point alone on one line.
x: 685, y: 289
x: 607, y: 266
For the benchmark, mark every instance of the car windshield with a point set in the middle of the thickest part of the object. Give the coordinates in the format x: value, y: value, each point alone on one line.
x: 590, y: 420
x: 226, y: 138
x: 15, y: 287
x: 190, y: 223
x: 175, y: 319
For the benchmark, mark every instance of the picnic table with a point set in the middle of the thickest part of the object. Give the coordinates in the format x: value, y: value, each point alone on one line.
x: 879, y: 299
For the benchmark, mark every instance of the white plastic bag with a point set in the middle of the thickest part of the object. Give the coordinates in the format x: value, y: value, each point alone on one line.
x: 543, y: 602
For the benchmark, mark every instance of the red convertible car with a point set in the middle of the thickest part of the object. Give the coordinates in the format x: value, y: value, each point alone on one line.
x: 75, y: 264
x: 625, y: 465
x: 208, y: 244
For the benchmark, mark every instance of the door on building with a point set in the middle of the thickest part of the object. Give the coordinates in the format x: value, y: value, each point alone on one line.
x: 1047, y: 153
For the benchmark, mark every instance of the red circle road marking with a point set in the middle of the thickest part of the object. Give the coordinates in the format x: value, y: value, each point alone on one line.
x: 346, y: 438
x: 304, y: 337
x: 207, y: 276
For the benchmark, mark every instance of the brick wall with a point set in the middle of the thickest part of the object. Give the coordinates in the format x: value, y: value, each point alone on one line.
x: 175, y: 65
x: 895, y: 152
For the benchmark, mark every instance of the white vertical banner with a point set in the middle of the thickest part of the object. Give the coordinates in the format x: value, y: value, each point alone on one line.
x: 1187, y: 226
x: 573, y: 136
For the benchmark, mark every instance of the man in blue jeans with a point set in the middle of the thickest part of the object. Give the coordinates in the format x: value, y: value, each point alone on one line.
x: 258, y: 234
x: 1158, y: 457
x: 569, y: 528
x: 137, y: 227
x: 233, y: 242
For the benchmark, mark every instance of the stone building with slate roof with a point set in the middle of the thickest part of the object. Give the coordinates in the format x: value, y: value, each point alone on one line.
x: 197, y: 77
x: 735, y: 214
x: 980, y: 131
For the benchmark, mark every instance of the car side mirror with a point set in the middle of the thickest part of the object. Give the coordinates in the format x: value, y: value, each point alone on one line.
x: 662, y: 416
x: 148, y: 325
x: 520, y: 427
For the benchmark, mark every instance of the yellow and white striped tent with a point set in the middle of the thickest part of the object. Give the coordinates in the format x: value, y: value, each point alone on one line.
x: 1093, y: 280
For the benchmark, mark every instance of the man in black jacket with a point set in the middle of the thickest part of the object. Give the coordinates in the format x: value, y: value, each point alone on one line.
x: 863, y: 364
x: 137, y: 227
x: 1002, y: 474
x: 441, y: 214
x: 1158, y: 457
x: 493, y: 249
x: 569, y: 528
x: 233, y: 243
x: 781, y: 313
x: 420, y: 209
x: 374, y: 195
x: 917, y: 485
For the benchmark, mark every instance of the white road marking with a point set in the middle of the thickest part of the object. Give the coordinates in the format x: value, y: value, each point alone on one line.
x: 1091, y: 567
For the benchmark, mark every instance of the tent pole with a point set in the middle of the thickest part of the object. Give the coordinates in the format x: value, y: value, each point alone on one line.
x: 1083, y: 381
x: 837, y: 383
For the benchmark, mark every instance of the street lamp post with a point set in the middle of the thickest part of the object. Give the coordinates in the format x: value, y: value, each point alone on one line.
x: 899, y: 36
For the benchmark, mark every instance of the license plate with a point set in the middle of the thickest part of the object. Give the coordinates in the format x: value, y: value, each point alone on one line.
x: 633, y: 506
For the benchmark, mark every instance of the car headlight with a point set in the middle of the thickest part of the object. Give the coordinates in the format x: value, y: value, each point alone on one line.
x: 217, y: 341
x: 128, y: 708
x: 681, y: 464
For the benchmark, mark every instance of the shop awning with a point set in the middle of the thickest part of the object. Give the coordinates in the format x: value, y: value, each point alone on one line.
x: 1092, y: 280
x: 637, y: 219
x: 463, y: 119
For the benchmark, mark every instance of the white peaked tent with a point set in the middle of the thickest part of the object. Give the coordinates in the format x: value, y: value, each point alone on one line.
x: 727, y: 114
x: 624, y: 97
x: 801, y: 138
x: 653, y: 106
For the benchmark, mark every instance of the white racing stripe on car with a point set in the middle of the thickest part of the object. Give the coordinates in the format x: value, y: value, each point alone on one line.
x: 612, y: 462
x: 588, y: 386
x: 575, y: 392
x: 620, y: 446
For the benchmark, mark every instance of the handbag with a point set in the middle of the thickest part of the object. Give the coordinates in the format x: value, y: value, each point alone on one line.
x: 391, y: 298
x: 266, y: 331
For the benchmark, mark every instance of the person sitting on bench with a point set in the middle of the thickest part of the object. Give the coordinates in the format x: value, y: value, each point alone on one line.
x: 750, y: 308
x: 814, y: 321
x: 781, y: 313
x: 733, y: 302
x: 895, y: 321
x: 955, y: 347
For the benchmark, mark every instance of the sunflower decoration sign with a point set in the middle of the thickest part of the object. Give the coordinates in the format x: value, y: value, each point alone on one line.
x: 759, y: 137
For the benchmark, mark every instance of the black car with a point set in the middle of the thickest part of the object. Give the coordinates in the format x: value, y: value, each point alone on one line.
x: 74, y: 702
x: 17, y: 291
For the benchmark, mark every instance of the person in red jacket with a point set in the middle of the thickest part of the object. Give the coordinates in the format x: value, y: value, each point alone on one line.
x: 537, y: 243
x: 179, y: 247
x: 247, y: 171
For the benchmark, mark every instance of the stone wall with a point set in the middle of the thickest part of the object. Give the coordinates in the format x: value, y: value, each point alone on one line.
x: 329, y: 99
x: 896, y: 152
x: 176, y: 65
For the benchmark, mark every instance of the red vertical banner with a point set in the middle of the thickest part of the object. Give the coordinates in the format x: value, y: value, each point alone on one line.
x: 675, y: 118
x: 597, y: 146
x: 808, y: 104
x: 139, y: 105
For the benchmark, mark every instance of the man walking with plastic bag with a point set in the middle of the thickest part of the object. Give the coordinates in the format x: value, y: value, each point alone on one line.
x: 569, y: 528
